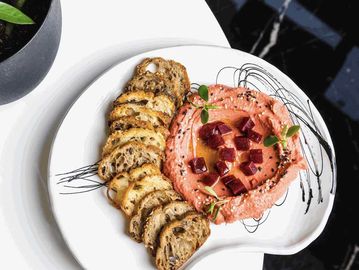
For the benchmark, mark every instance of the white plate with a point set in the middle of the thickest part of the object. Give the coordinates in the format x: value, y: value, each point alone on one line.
x: 96, y: 232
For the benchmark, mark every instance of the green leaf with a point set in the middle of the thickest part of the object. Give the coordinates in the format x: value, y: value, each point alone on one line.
x: 204, y: 116
x: 216, y: 213
x: 194, y: 105
x: 11, y: 14
x: 211, y: 191
x: 293, y: 130
x: 284, y: 131
x: 211, y: 208
x: 270, y: 140
x: 210, y: 106
x: 203, y: 92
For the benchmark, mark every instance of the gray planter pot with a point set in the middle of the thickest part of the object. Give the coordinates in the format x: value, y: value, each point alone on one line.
x: 23, y: 71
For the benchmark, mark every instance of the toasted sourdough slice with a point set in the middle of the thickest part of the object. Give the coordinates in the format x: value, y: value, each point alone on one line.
x: 127, y: 122
x: 171, y: 70
x: 160, y: 102
x: 140, y: 113
x: 152, y: 82
x: 144, y: 208
x: 179, y: 239
x: 117, y: 186
x: 145, y: 136
x: 158, y: 218
x: 139, y: 189
x: 127, y: 157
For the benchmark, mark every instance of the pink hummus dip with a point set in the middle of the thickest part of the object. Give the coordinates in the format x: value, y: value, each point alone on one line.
x: 279, y: 168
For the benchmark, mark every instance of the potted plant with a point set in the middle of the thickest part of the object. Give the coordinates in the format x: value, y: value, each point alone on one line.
x: 30, y: 33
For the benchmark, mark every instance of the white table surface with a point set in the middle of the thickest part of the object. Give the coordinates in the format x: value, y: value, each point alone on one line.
x: 95, y: 36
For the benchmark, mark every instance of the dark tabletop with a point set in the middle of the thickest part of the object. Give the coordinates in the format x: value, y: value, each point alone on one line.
x: 315, y: 42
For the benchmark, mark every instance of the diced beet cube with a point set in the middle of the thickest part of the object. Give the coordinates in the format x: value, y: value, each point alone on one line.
x: 209, y: 129
x: 256, y: 155
x: 214, y: 141
x: 248, y: 168
x: 242, y: 143
x: 237, y: 187
x: 224, y: 129
x: 227, y: 154
x: 245, y: 124
x: 254, y: 136
x: 198, y: 165
x: 221, y: 168
x: 210, y: 179
x: 227, y: 179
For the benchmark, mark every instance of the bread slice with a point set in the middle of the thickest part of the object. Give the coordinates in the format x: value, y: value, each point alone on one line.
x: 180, y: 239
x: 140, y: 113
x: 144, y: 208
x: 160, y: 102
x: 118, y: 185
x: 145, y: 136
x: 127, y: 157
x: 152, y: 82
x: 127, y: 122
x: 173, y: 71
x: 139, y: 189
x: 146, y: 169
x: 161, y: 215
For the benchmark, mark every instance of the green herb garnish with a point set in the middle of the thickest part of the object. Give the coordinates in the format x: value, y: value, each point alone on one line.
x: 13, y: 15
x: 211, y: 191
x: 203, y: 93
x: 215, y: 206
x: 285, y: 134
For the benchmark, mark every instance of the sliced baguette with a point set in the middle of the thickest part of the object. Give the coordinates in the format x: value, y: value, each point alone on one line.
x: 127, y: 157
x: 152, y: 82
x: 139, y: 189
x: 118, y: 185
x: 179, y: 239
x: 144, y: 208
x: 127, y: 122
x: 140, y: 113
x: 161, y: 215
x: 160, y: 102
x: 172, y: 71
x: 145, y: 136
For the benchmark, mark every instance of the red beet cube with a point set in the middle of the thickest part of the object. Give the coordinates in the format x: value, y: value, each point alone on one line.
x: 227, y: 154
x: 237, y: 187
x: 210, y: 179
x: 245, y: 124
x: 256, y: 155
x: 214, y: 141
x: 254, y: 136
x: 198, y: 165
x: 248, y: 168
x: 224, y: 129
x: 227, y: 179
x: 221, y: 168
x: 242, y: 143
x: 209, y: 129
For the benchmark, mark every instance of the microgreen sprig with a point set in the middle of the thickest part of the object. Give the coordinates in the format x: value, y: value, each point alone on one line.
x: 285, y: 134
x: 214, y: 207
x: 203, y: 93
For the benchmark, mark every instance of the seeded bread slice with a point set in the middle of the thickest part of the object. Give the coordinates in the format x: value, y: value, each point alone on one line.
x: 140, y: 113
x: 145, y: 136
x: 127, y: 157
x: 173, y: 71
x: 118, y: 185
x: 179, y: 239
x: 158, y: 218
x: 160, y: 102
x: 144, y: 208
x: 128, y: 122
x: 152, y: 82
x: 139, y: 189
